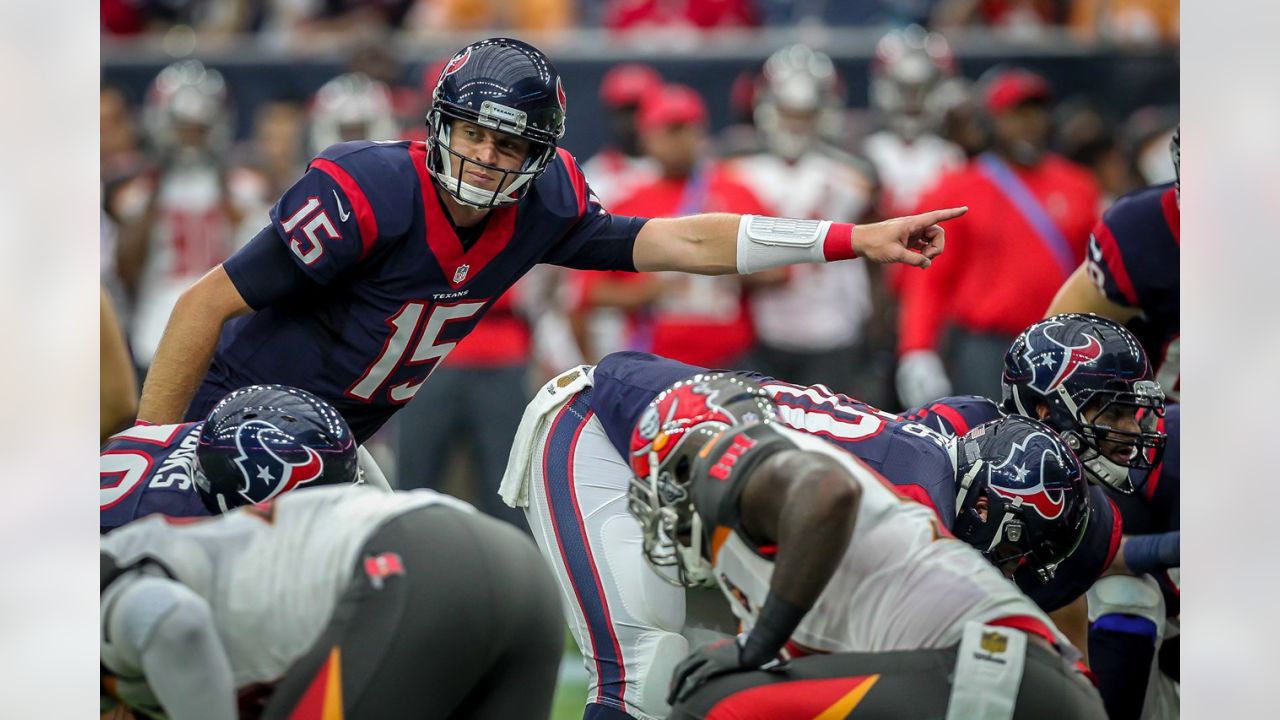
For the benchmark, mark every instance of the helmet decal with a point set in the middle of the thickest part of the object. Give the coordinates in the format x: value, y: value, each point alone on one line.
x: 457, y: 62
x: 1076, y: 356
x: 1015, y: 481
x: 564, y: 103
x: 265, y: 481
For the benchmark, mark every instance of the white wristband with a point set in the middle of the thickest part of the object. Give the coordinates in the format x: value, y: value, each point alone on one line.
x: 765, y: 243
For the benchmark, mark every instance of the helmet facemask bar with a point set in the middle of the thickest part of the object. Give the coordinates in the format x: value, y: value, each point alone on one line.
x: 512, y: 184
x: 1145, y: 447
x: 665, y: 511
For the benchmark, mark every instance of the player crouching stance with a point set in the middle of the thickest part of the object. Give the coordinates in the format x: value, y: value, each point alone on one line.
x: 817, y: 555
x: 335, y: 602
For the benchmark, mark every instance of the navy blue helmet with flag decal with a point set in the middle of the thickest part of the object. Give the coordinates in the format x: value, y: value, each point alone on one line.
x: 1088, y: 378
x: 1022, y: 496
x: 505, y: 85
x: 264, y: 440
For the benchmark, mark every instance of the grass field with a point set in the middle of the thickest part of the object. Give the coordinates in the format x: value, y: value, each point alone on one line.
x: 571, y: 688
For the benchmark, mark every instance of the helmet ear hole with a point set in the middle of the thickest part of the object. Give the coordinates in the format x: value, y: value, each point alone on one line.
x: 249, y: 415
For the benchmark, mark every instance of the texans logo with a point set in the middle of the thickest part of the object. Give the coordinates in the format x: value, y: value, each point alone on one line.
x: 1048, y: 503
x: 1076, y: 357
x: 265, y: 473
x: 1062, y: 363
x: 560, y: 98
x: 457, y: 62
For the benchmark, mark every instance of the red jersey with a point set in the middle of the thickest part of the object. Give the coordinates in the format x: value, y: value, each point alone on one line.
x: 696, y: 319
x: 998, y: 273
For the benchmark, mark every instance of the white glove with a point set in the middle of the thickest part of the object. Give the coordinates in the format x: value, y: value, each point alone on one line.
x: 921, y: 378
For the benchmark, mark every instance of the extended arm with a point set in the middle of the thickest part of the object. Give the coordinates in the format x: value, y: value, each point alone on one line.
x: 722, y: 243
x: 187, y: 346
x: 118, y: 394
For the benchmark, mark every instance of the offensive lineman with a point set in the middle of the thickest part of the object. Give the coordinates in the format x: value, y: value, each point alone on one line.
x: 385, y: 255
x: 257, y: 443
x: 335, y: 602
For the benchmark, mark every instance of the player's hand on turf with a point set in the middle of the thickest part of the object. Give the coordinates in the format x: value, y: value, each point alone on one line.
x: 707, y: 662
x: 911, y: 240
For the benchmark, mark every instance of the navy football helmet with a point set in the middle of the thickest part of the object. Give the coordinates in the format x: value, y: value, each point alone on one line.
x: 505, y: 85
x: 264, y: 440
x: 1032, y: 489
x: 1091, y: 379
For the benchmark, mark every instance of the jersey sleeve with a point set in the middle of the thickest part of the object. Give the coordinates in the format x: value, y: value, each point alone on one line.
x: 955, y: 415
x: 597, y: 239
x: 624, y: 383
x: 1076, y: 574
x: 352, y: 199
x: 1121, y: 240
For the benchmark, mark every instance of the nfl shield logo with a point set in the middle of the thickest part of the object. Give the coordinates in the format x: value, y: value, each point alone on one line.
x: 461, y: 273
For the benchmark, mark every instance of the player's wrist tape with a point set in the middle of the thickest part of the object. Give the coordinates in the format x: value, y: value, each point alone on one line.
x: 778, y: 619
x: 1153, y: 553
x: 765, y: 243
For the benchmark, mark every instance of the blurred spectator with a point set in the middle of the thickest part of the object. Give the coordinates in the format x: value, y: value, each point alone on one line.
x: 1088, y: 139
x: 1015, y: 16
x: 963, y: 118
x: 1148, y: 132
x: 277, y: 147
x: 619, y: 167
x: 695, y: 318
x: 304, y: 21
x: 1126, y: 21
x: 188, y: 212
x: 787, y: 13
x: 908, y: 71
x: 522, y: 15
x: 1030, y: 214
x: 351, y: 107
x: 741, y: 136
x: 697, y: 14
x: 120, y: 158
x: 810, y: 327
x: 118, y: 386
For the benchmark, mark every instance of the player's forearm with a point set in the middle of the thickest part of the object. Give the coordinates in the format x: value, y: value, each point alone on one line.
x: 701, y: 244
x: 118, y: 394
x: 186, y: 349
x: 1073, y: 620
x: 813, y: 533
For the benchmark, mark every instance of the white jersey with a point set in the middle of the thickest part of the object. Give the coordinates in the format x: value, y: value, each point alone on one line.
x: 909, y: 169
x: 614, y: 176
x: 191, y: 235
x: 271, y: 582
x: 903, y: 584
x: 819, y: 307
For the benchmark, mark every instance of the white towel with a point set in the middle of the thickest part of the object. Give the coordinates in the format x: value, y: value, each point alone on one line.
x: 514, y: 489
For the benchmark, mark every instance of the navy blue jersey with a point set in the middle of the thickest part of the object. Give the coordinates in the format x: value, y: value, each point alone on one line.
x: 149, y: 469
x: 955, y: 415
x: 908, y: 454
x: 361, y: 284
x: 1133, y: 258
x: 1075, y: 575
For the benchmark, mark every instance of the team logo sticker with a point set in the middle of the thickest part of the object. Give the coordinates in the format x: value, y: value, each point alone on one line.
x: 457, y: 62
x: 264, y: 472
x: 1016, y: 481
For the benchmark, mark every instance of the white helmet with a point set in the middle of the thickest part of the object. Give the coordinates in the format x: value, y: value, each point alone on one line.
x: 187, y: 92
x: 352, y: 107
x: 910, y: 66
x: 798, y: 81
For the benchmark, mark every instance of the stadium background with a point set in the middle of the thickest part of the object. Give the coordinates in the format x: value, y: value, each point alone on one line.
x: 1122, y: 72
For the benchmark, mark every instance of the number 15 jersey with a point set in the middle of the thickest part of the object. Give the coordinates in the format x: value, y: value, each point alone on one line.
x: 361, y: 284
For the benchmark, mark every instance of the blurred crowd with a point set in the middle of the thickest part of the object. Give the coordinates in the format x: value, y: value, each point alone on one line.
x: 180, y: 194
x: 303, y: 21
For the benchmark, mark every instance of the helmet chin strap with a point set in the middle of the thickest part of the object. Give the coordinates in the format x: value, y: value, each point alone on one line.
x: 1106, y: 470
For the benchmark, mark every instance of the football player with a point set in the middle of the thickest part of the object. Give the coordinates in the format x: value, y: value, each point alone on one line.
x: 259, y: 442
x: 1130, y: 273
x: 816, y: 554
x: 1088, y: 378
x: 383, y: 256
x: 351, y: 107
x: 627, y: 621
x: 335, y: 602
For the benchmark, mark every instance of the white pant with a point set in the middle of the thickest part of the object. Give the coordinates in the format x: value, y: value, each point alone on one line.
x: 626, y: 619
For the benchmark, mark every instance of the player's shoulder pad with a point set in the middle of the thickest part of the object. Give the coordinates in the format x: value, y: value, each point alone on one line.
x: 1137, y: 216
x: 382, y: 172
x: 562, y: 189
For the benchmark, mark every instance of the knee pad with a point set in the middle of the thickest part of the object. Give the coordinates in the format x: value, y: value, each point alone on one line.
x: 1128, y: 595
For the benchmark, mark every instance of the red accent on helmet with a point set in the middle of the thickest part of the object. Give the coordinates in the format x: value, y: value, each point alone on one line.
x: 678, y: 411
x: 304, y: 472
x: 1076, y: 357
x: 458, y: 61
x: 1038, y: 498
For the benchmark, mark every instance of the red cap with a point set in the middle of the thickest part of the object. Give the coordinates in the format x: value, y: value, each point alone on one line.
x: 628, y: 84
x: 671, y: 105
x: 1011, y: 88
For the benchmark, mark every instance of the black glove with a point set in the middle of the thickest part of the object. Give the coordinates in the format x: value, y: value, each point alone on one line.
x: 707, y: 662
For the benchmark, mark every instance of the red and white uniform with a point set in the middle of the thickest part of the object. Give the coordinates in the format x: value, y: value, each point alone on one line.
x: 908, y: 169
x: 820, y: 306
x: 614, y: 176
x: 190, y: 236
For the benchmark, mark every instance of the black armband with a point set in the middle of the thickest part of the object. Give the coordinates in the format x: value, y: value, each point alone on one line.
x: 778, y: 619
